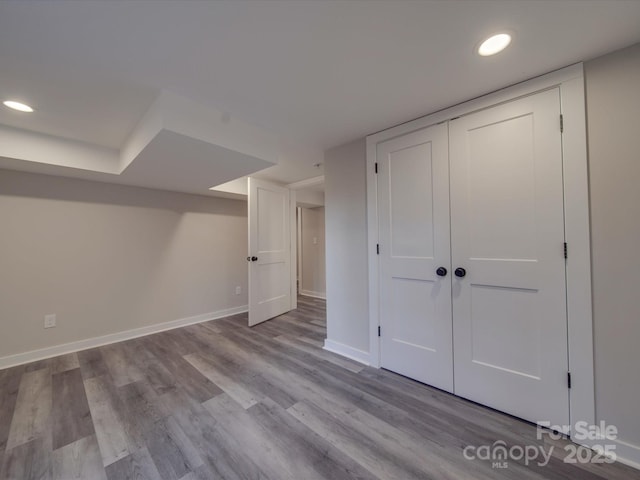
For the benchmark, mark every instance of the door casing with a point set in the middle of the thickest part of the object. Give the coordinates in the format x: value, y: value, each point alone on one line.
x: 570, y: 81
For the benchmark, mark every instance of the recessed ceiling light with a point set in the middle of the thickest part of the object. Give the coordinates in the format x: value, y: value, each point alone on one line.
x: 18, y: 106
x: 494, y: 44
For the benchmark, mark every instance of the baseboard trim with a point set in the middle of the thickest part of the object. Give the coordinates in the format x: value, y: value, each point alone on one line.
x: 346, y: 351
x: 310, y: 293
x: 43, y: 353
x: 626, y: 453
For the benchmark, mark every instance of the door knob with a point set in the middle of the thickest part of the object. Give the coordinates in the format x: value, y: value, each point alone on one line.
x: 252, y: 259
x: 441, y: 271
x: 460, y: 272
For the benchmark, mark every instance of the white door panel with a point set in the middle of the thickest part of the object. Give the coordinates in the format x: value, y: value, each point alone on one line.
x: 415, y: 303
x: 269, y: 244
x: 507, y: 230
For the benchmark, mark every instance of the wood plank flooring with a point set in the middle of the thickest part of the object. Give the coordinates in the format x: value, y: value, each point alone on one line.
x: 220, y: 400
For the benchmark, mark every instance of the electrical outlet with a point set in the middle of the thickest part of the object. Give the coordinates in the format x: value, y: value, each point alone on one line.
x: 238, y: 290
x: 50, y: 321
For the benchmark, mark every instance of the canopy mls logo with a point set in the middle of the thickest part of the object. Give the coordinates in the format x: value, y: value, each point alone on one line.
x: 499, y: 453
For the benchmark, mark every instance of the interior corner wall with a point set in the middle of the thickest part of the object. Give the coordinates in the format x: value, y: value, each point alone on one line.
x: 346, y: 246
x: 313, y: 252
x: 109, y: 258
x: 613, y: 106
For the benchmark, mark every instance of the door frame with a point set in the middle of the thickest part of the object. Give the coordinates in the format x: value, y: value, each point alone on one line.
x: 293, y: 247
x: 296, y: 232
x: 570, y: 81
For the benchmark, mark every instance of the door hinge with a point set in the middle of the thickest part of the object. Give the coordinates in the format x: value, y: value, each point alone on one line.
x: 566, y: 252
x: 561, y: 123
x: 568, y: 379
x: 379, y: 330
x: 377, y: 249
x: 376, y: 167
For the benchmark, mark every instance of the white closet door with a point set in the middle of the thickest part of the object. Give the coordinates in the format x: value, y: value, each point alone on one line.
x: 507, y: 230
x: 415, y: 303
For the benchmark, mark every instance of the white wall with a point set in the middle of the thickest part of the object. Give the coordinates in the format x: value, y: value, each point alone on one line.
x: 309, y: 198
x: 346, y: 249
x: 613, y: 107
x: 312, y: 254
x: 108, y: 258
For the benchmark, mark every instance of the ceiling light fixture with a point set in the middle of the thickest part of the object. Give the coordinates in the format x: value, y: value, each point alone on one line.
x: 18, y: 106
x: 494, y: 44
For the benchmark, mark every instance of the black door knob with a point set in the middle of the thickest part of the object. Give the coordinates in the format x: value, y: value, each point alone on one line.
x: 460, y: 272
x: 253, y: 259
x: 441, y: 271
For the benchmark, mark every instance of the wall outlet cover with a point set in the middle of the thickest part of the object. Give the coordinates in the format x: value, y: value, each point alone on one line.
x: 50, y: 320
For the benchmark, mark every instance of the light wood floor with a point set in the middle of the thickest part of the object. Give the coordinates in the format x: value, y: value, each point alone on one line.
x: 220, y: 400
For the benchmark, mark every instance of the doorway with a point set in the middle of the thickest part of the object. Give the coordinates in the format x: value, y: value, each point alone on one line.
x: 311, y: 252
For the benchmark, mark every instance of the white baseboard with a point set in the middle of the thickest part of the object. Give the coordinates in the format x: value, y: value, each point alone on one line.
x: 347, y: 351
x: 40, y: 354
x: 626, y: 453
x: 310, y: 293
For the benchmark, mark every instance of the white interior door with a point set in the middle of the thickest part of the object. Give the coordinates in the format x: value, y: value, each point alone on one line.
x: 415, y: 301
x: 507, y: 230
x: 269, y: 251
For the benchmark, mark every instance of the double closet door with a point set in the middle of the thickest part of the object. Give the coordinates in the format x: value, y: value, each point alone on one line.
x: 472, y: 269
